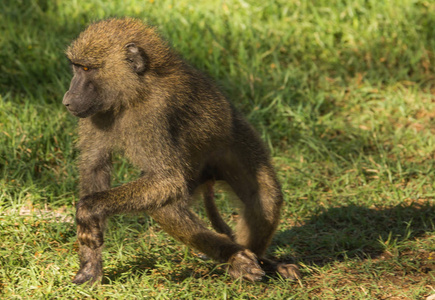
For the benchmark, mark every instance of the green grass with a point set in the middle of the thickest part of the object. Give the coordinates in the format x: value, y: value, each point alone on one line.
x: 343, y: 92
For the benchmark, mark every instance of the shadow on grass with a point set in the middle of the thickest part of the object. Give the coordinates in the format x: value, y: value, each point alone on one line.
x: 355, y: 231
x: 148, y: 265
x: 331, y: 235
x: 137, y: 267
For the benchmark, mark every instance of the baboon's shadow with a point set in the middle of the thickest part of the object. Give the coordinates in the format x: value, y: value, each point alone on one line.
x: 331, y: 235
x: 353, y: 231
x: 148, y: 263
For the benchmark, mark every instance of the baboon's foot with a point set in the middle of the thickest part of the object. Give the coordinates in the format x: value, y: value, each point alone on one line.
x: 244, y: 264
x: 88, y: 274
x: 287, y: 271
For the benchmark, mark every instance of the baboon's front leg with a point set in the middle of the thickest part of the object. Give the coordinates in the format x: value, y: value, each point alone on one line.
x: 95, y: 166
x: 143, y: 194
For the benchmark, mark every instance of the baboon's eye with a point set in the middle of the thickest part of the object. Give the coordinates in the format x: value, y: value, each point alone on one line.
x: 85, y: 68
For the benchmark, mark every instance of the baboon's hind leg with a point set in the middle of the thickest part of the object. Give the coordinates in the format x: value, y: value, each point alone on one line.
x: 184, y: 225
x: 261, y: 195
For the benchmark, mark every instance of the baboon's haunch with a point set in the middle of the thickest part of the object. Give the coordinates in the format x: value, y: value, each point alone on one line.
x: 136, y: 96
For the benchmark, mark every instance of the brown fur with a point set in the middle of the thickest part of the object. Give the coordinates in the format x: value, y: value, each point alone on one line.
x: 213, y: 214
x: 140, y: 98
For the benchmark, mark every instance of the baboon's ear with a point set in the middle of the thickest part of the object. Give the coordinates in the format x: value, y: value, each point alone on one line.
x: 137, y: 58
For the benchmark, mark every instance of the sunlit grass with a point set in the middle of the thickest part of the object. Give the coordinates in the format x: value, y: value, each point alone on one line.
x: 341, y: 91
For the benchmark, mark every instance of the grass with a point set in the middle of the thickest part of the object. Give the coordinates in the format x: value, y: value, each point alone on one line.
x: 343, y: 92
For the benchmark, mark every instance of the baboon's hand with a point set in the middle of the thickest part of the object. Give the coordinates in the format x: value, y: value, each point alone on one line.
x: 88, y: 274
x: 244, y: 265
x: 288, y: 271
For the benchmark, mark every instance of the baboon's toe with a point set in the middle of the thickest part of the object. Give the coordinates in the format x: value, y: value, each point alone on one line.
x: 288, y: 271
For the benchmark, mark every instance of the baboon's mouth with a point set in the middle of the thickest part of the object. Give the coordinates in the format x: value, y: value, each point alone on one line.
x: 81, y: 114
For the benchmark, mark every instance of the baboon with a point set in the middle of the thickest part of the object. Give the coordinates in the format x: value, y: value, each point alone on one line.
x: 136, y: 96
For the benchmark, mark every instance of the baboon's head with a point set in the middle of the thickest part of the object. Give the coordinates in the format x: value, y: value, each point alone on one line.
x: 109, y: 61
